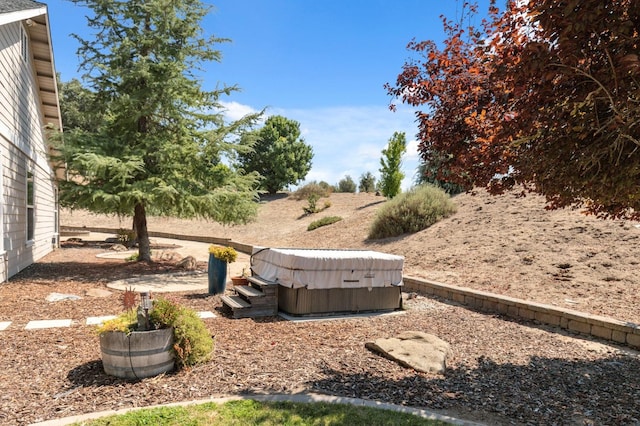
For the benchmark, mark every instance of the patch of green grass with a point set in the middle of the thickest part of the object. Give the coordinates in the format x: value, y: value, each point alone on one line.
x: 249, y: 412
x: 323, y: 222
x: 411, y: 212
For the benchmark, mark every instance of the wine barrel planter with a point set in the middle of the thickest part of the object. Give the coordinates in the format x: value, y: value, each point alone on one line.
x: 139, y: 354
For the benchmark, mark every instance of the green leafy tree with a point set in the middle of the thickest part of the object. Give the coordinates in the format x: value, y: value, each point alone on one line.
x: 391, y: 162
x: 279, y: 154
x: 76, y: 106
x: 367, y: 183
x: 346, y: 184
x: 158, y: 148
x: 434, y: 171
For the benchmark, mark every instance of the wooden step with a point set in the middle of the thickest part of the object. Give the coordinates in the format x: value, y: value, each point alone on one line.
x: 255, y: 312
x: 261, y: 302
x: 269, y: 288
x: 261, y: 281
x: 235, y: 302
x: 259, y: 299
x: 248, y: 291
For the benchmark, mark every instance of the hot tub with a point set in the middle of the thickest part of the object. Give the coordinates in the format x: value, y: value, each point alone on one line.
x: 331, y: 281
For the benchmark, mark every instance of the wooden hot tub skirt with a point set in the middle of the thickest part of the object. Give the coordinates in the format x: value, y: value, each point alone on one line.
x: 301, y: 301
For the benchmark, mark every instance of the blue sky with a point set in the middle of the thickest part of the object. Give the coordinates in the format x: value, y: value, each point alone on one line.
x: 321, y: 63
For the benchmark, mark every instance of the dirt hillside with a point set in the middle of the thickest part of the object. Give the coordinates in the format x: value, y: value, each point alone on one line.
x: 502, y: 244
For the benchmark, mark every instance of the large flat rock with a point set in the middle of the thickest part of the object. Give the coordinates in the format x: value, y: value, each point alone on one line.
x: 414, y: 349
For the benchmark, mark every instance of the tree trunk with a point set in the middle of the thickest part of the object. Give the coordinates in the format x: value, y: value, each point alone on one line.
x: 140, y: 225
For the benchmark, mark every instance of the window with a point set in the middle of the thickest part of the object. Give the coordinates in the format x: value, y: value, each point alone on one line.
x: 30, y: 206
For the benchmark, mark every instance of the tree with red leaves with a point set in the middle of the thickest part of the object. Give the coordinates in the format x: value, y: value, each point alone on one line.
x: 546, y: 95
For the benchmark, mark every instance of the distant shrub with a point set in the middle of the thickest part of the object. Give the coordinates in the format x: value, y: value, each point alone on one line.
x: 311, y: 207
x: 411, y: 212
x: 323, y: 222
x: 321, y: 190
x: 326, y: 186
x: 346, y: 185
x: 367, y: 183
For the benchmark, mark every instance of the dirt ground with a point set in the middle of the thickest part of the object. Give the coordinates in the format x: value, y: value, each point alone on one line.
x: 500, y: 372
x: 505, y: 244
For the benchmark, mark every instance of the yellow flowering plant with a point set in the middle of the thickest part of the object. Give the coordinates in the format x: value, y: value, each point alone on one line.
x: 226, y: 254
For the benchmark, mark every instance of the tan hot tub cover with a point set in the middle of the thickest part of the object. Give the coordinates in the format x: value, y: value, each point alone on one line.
x: 324, y: 269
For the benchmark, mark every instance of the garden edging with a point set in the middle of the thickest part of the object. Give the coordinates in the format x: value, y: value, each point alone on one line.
x: 626, y: 333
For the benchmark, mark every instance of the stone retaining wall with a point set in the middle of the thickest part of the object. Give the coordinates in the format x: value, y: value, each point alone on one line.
x: 626, y: 333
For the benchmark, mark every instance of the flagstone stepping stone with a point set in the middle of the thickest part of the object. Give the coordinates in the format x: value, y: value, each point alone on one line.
x: 57, y: 297
x: 38, y: 324
x: 98, y: 292
x: 99, y: 320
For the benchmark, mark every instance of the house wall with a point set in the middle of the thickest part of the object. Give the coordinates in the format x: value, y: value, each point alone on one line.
x: 22, y: 148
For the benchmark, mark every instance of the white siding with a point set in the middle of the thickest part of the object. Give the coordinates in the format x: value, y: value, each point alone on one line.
x: 22, y: 145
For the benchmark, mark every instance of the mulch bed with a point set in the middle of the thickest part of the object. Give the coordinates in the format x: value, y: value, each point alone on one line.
x: 501, y: 372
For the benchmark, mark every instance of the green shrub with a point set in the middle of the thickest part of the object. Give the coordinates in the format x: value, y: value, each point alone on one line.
x: 193, y: 343
x: 411, y: 212
x: 367, y: 183
x: 326, y: 186
x: 125, y: 322
x: 311, y: 207
x: 346, y: 185
x: 323, y: 222
x: 127, y: 237
x: 320, y: 190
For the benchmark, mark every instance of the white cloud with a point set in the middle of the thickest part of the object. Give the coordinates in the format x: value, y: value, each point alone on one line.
x: 412, y: 149
x: 235, y: 111
x: 349, y: 140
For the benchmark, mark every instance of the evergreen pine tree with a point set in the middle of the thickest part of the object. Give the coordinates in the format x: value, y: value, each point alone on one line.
x: 159, y: 148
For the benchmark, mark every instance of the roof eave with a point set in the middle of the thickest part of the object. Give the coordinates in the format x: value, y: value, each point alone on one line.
x: 54, y: 77
x: 9, y: 17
